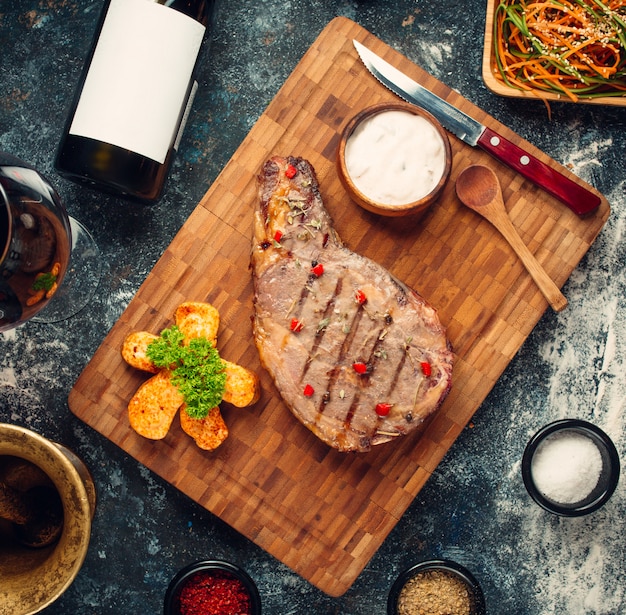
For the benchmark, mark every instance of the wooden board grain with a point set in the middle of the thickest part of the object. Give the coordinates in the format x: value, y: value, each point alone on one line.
x: 321, y: 512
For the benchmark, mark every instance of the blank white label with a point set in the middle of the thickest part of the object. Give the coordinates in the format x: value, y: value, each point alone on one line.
x: 139, y: 77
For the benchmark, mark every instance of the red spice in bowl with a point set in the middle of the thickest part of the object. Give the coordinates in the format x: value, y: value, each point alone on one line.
x: 212, y: 588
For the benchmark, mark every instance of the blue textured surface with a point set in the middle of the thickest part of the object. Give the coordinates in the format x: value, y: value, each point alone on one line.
x: 474, y: 509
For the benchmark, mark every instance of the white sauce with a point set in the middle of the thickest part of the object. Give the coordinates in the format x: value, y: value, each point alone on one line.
x: 395, y: 157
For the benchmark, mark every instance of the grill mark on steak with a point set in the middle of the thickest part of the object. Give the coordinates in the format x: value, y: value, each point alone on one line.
x: 391, y: 332
x: 341, y: 358
x: 351, y: 333
x: 321, y: 328
x: 304, y: 293
x: 347, y: 424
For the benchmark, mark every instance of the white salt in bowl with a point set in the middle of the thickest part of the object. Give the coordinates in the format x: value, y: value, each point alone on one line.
x: 570, y: 467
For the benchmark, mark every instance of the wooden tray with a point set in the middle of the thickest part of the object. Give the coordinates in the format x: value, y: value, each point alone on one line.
x: 497, y: 86
x: 321, y: 512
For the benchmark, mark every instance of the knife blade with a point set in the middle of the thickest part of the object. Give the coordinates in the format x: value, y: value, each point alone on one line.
x: 580, y: 200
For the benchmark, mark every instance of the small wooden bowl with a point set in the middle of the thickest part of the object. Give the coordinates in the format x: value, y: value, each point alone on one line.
x: 371, y: 203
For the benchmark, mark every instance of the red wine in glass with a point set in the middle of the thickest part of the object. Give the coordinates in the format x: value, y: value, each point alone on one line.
x: 49, y: 265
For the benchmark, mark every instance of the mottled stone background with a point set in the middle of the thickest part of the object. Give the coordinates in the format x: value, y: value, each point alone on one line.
x: 474, y: 509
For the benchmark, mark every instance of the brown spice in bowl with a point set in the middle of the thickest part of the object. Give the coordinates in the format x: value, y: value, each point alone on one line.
x: 434, y: 592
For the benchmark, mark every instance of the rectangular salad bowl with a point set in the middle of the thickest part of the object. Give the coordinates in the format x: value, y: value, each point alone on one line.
x: 497, y: 86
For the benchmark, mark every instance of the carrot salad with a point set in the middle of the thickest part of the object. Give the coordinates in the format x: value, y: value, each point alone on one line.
x: 575, y: 48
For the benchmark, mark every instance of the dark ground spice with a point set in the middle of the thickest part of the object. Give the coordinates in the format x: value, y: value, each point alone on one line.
x: 214, y: 592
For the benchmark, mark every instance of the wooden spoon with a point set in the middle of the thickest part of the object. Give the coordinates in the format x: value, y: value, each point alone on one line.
x: 478, y: 187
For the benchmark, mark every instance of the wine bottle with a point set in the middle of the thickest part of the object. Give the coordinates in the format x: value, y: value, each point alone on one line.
x: 134, y: 95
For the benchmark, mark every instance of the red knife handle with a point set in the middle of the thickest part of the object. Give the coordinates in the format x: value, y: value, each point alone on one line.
x: 580, y: 200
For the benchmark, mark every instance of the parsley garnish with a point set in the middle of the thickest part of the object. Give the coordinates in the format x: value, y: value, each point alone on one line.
x: 196, y: 369
x: 44, y: 281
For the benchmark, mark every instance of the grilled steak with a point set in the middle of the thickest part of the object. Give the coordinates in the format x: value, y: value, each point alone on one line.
x: 358, y: 357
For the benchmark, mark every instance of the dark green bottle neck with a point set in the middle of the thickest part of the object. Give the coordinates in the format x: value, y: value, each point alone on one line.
x: 200, y: 10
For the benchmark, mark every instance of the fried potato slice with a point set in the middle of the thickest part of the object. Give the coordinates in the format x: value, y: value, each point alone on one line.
x: 134, y: 351
x: 209, y: 432
x: 242, y: 385
x: 196, y: 319
x: 153, y: 407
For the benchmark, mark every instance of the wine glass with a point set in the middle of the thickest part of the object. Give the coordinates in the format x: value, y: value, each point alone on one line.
x: 49, y: 263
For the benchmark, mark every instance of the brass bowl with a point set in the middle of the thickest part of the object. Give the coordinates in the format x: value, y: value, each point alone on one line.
x: 374, y: 203
x: 33, y: 578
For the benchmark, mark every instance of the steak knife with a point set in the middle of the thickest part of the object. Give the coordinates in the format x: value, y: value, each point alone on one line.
x: 576, y: 197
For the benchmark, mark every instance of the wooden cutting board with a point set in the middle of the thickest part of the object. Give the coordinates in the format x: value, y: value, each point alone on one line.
x: 320, y: 512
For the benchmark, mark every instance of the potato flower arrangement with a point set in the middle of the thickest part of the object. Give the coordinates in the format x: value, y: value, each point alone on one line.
x: 189, y: 375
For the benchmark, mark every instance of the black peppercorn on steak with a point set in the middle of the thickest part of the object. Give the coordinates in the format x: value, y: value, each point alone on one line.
x: 358, y: 357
